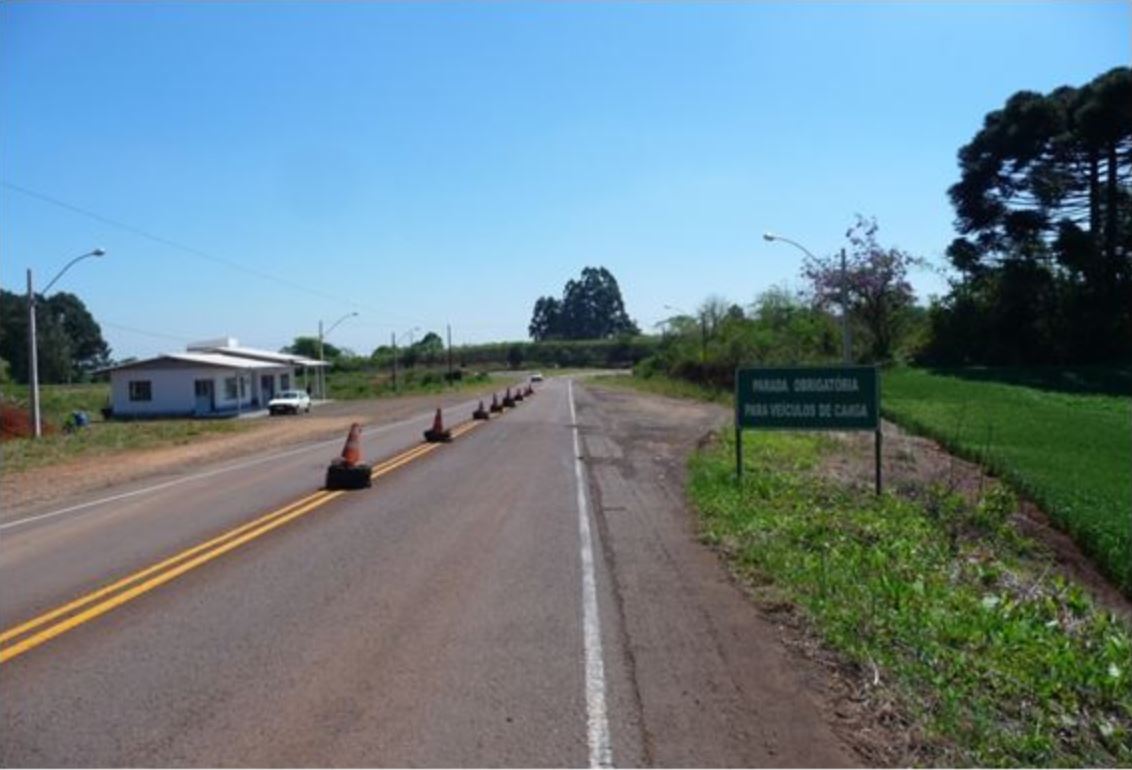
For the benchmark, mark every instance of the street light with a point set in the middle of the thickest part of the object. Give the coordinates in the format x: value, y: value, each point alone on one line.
x: 322, y: 369
x: 846, y: 339
x: 33, y: 353
x: 703, y: 329
x: 395, y: 337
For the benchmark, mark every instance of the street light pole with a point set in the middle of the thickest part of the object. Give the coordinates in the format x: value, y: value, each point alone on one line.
x: 393, y: 336
x: 703, y: 330
x: 449, y: 353
x: 393, y: 340
x: 703, y: 337
x: 33, y: 347
x: 846, y: 338
x: 322, y: 369
x: 33, y: 362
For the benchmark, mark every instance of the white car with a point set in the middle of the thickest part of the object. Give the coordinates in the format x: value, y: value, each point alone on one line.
x: 290, y: 401
x: 536, y: 377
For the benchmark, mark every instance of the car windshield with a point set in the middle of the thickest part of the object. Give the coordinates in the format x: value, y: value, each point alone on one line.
x: 290, y: 394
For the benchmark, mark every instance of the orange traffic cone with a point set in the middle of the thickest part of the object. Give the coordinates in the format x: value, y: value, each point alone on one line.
x: 495, y: 406
x: 352, y: 451
x: 518, y: 394
x: 347, y: 471
x: 480, y: 413
x: 437, y: 433
x: 507, y: 400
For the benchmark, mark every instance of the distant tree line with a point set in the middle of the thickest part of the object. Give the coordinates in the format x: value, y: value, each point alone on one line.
x: 429, y: 350
x: 430, y: 353
x: 624, y: 351
x: 779, y: 328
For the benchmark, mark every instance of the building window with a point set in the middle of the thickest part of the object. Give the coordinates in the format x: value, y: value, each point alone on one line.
x: 141, y: 390
x: 230, y: 388
x: 284, y: 382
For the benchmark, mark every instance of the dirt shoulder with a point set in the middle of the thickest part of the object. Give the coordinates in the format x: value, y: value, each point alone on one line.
x: 27, y: 490
x: 714, y: 685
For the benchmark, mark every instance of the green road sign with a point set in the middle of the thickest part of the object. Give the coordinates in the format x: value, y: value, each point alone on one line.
x: 807, y: 398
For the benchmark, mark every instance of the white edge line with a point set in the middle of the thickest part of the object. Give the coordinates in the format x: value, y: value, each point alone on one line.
x: 214, y: 472
x: 601, y: 750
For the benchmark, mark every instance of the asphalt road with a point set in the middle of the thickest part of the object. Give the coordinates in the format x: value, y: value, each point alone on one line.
x: 524, y: 596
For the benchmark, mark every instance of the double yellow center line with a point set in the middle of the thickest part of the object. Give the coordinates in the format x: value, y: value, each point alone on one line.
x: 49, y: 625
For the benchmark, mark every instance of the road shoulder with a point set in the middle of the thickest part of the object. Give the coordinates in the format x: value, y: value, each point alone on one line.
x: 712, y: 681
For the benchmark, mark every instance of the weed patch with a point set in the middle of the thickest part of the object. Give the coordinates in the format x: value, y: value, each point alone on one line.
x: 995, y: 662
x: 1070, y: 451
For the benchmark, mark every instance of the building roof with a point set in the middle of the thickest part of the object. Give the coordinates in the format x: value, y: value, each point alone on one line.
x: 227, y: 353
x: 205, y: 359
x: 261, y: 355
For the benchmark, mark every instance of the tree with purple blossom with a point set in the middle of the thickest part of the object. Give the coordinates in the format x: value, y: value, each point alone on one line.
x: 876, y: 286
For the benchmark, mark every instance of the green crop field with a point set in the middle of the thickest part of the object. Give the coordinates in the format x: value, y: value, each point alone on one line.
x: 1062, y: 437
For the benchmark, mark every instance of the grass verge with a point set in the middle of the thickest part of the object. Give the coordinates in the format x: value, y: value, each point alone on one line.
x: 101, y: 437
x: 1069, y: 451
x: 56, y: 404
x: 994, y: 662
x: 667, y: 386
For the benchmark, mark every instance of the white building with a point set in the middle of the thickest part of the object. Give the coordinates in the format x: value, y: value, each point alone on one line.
x: 212, y: 378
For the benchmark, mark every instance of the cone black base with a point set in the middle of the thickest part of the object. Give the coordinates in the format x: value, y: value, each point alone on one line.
x: 340, y: 476
x: 437, y: 436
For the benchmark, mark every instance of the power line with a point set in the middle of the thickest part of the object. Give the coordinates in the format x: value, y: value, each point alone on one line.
x: 133, y: 330
x: 195, y: 251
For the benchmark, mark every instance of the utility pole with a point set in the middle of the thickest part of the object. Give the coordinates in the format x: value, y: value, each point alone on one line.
x: 450, y: 352
x: 703, y: 337
x: 846, y: 339
x: 321, y: 369
x: 393, y: 340
x: 33, y: 371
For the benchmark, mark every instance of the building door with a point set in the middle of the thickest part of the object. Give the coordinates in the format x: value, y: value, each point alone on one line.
x: 267, y: 387
x: 205, y: 396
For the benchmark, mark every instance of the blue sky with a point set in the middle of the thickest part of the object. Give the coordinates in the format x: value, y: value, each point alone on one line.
x: 425, y: 164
